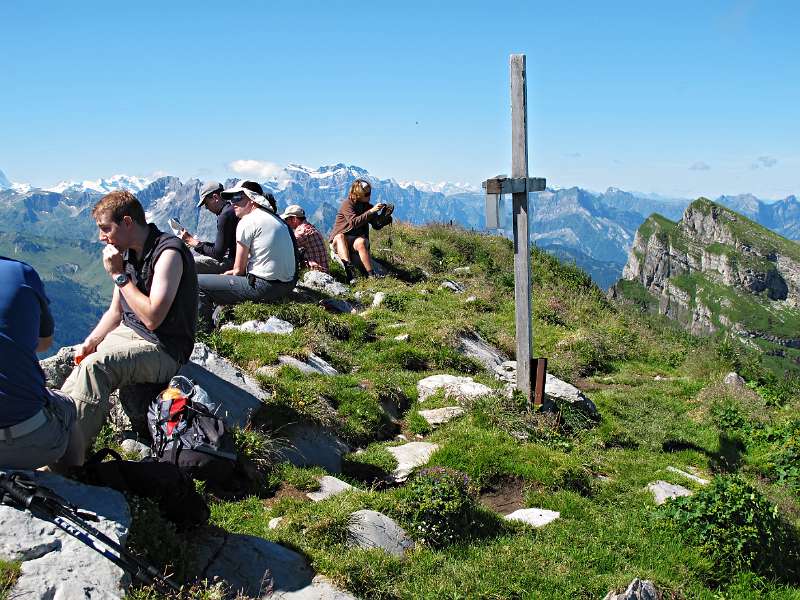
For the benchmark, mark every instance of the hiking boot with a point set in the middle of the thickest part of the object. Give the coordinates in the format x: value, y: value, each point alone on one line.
x: 349, y: 272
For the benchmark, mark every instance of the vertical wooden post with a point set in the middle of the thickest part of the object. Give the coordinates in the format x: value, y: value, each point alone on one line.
x: 522, y: 260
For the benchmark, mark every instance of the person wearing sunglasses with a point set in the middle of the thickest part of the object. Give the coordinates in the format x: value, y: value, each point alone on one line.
x: 265, y: 267
x: 217, y: 256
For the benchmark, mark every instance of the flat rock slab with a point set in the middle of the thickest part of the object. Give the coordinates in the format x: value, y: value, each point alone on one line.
x: 271, y: 325
x: 663, y: 491
x: 378, y: 299
x: 259, y: 568
x: 328, y: 487
x: 438, y: 416
x: 455, y: 387
x: 312, y: 365
x: 235, y: 394
x: 690, y: 476
x: 55, y: 565
x: 637, y: 590
x: 403, y: 337
x: 323, y: 282
x: 313, y: 446
x: 335, y: 305
x: 410, y: 456
x: 371, y: 529
x: 535, y: 517
x: 477, y: 348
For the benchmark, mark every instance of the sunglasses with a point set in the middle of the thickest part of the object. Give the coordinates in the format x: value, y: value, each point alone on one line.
x: 236, y: 198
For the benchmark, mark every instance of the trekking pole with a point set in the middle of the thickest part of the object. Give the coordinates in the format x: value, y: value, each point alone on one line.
x: 22, y: 492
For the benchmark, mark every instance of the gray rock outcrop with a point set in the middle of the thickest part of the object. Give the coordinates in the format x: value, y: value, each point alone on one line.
x: 455, y: 387
x: 328, y: 487
x: 535, y: 517
x: 475, y: 347
x: 410, y: 456
x: 259, y: 568
x: 371, y: 529
x: 56, y: 564
x: 236, y: 394
x: 58, y: 367
x: 637, y: 590
x: 271, y: 325
x: 439, y: 416
x: 663, y: 491
x: 323, y: 282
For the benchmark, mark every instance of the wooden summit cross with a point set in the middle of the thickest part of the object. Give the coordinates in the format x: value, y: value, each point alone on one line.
x: 519, y: 185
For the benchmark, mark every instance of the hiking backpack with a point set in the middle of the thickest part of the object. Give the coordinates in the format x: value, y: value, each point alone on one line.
x: 187, y: 433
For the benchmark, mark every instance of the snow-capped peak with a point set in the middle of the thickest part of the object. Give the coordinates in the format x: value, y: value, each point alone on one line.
x: 444, y: 187
x: 102, y: 185
x: 6, y: 184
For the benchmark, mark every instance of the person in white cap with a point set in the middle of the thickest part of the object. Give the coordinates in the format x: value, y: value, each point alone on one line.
x: 309, y: 239
x: 265, y: 267
x: 217, y: 256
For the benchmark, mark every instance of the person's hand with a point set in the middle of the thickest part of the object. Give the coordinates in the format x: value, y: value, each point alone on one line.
x: 188, y: 238
x: 229, y: 272
x: 377, y: 208
x: 112, y: 260
x: 85, y: 348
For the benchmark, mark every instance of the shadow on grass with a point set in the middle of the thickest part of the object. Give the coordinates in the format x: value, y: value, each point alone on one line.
x: 728, y: 459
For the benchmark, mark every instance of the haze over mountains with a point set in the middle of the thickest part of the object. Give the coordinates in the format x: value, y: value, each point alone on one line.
x: 593, y: 229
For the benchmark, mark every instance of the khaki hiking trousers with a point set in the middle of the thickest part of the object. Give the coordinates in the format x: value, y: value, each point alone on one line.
x: 122, y: 358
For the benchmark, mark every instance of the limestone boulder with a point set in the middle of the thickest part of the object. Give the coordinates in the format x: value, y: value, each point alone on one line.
x: 734, y: 380
x: 535, y: 517
x: 410, y: 456
x: 311, y: 365
x: 271, y: 325
x: 56, y: 564
x: 453, y: 286
x: 258, y: 568
x: 663, y: 491
x: 637, y: 590
x: 58, y: 367
x: 439, y: 416
x: 454, y: 386
x: 477, y: 348
x: 324, y: 283
x: 371, y: 529
x: 328, y: 487
x: 236, y: 396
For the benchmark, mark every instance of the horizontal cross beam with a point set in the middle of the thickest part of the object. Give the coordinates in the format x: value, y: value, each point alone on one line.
x: 514, y: 185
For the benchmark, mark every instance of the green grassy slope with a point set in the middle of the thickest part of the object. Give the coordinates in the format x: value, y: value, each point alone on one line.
x: 657, y: 388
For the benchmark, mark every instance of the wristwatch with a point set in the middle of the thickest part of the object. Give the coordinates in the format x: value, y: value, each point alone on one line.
x: 121, y: 279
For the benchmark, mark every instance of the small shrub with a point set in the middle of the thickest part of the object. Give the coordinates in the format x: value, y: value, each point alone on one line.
x: 784, y: 459
x: 261, y: 449
x: 417, y: 424
x: 739, y: 529
x: 9, y: 572
x: 439, y: 506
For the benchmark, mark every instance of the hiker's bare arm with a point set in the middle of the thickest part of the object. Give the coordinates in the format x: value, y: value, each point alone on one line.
x: 44, y: 343
x: 240, y: 264
x: 108, y: 322
x: 153, y: 309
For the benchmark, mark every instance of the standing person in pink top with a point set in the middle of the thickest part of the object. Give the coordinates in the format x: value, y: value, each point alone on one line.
x: 308, y: 237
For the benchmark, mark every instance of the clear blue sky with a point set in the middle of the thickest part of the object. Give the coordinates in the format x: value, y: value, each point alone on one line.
x: 679, y: 98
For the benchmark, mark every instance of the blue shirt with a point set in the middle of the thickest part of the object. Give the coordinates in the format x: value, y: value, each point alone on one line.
x: 24, y: 318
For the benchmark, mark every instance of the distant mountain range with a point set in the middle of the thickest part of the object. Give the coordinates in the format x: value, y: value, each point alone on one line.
x: 593, y: 229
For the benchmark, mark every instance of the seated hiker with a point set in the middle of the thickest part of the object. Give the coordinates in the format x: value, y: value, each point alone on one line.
x: 148, y: 331
x: 264, y: 268
x: 351, y: 228
x: 217, y: 256
x: 36, y: 423
x: 308, y: 237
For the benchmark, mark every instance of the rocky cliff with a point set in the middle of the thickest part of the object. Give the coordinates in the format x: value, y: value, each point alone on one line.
x: 715, y: 269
